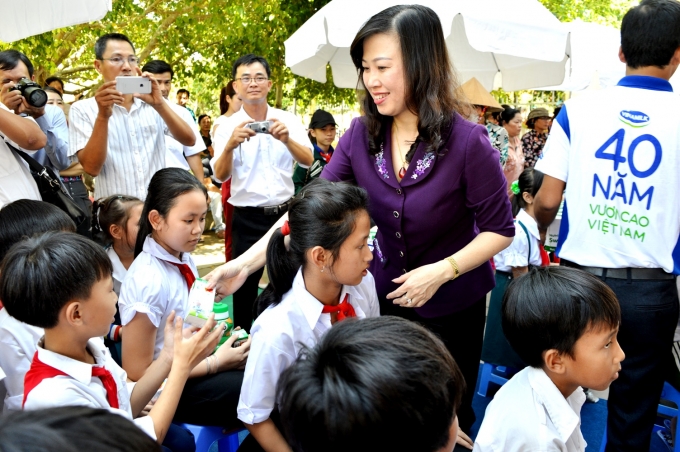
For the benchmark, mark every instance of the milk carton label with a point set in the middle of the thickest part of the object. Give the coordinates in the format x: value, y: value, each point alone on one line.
x: 201, y: 299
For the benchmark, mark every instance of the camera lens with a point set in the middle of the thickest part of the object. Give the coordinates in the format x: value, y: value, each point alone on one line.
x: 36, y: 97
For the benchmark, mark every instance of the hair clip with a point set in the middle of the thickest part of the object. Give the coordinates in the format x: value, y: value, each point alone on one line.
x: 515, y: 187
x: 285, y: 229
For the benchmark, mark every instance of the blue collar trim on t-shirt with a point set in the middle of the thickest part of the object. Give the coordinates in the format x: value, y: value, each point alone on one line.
x: 646, y: 82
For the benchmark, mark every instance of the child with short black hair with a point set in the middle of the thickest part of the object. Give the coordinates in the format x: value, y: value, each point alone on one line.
x: 19, y: 220
x: 563, y: 323
x: 374, y: 384
x: 71, y: 365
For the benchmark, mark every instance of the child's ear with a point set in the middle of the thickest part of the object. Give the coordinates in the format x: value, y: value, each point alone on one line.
x: 318, y: 257
x: 72, y: 313
x: 116, y: 231
x: 554, y: 361
x: 155, y: 219
x: 527, y: 197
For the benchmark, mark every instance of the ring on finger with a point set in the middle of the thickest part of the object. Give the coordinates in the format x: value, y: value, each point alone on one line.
x: 408, y: 301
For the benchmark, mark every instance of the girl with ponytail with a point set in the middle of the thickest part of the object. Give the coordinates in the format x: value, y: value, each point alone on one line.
x: 158, y: 283
x: 524, y: 252
x: 320, y: 278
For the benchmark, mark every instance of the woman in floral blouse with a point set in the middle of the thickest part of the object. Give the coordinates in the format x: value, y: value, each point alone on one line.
x: 534, y: 140
x: 511, y: 120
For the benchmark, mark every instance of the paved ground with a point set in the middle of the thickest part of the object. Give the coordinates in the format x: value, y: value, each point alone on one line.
x: 209, y: 253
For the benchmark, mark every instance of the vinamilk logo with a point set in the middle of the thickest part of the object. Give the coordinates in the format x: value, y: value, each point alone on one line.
x: 635, y: 119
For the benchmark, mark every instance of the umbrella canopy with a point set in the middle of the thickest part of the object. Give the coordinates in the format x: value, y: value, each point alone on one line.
x: 520, y: 40
x: 21, y: 19
x: 593, y: 57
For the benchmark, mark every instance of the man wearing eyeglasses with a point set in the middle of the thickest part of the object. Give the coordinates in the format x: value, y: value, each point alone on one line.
x: 121, y: 137
x: 260, y: 166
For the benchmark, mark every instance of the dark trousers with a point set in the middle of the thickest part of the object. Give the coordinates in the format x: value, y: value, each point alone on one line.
x: 249, y: 225
x: 211, y: 400
x: 463, y: 334
x: 178, y: 439
x: 649, y: 315
x: 76, y: 188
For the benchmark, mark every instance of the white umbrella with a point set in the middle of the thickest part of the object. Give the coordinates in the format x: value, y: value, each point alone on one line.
x: 593, y: 57
x: 21, y: 19
x: 519, y: 39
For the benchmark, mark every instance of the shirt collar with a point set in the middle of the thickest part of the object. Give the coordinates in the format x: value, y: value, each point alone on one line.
x: 153, y: 248
x: 564, y: 413
x: 311, y: 307
x: 119, y: 270
x: 75, y: 369
x: 646, y: 82
x: 529, y: 223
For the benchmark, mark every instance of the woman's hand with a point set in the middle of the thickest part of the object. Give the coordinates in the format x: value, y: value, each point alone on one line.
x: 464, y: 440
x: 419, y: 285
x: 227, y: 278
x: 230, y: 357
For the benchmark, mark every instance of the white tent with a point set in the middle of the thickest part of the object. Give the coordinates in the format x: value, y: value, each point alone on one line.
x: 593, y: 57
x: 514, y: 44
x: 21, y: 19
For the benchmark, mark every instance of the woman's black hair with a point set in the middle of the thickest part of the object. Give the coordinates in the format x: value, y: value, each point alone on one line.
x: 165, y: 187
x: 69, y: 428
x: 226, y: 91
x: 108, y: 211
x: 507, y: 115
x: 25, y: 218
x: 322, y: 214
x: 530, y: 181
x: 429, y: 78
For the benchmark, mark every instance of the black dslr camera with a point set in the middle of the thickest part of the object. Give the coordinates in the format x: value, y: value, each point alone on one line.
x: 32, y: 92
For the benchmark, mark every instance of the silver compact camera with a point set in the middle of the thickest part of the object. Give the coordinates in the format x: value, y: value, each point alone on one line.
x: 260, y: 126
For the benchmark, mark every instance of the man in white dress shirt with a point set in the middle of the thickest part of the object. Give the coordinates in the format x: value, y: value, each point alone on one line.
x: 260, y: 166
x: 179, y: 156
x: 121, y: 137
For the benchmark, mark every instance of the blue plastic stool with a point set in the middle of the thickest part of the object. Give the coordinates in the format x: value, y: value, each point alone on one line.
x: 207, y: 435
x: 668, y: 393
x: 487, y: 376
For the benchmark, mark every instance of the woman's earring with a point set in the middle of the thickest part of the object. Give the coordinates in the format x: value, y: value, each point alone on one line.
x: 322, y: 269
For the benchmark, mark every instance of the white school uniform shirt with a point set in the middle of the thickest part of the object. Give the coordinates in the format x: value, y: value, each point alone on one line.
x: 119, y: 270
x: 529, y: 413
x: 262, y: 172
x: 176, y: 151
x: 135, y: 149
x: 79, y: 387
x: 517, y: 254
x: 281, y: 332
x: 16, y: 181
x: 155, y: 287
x: 622, y: 183
x: 18, y: 343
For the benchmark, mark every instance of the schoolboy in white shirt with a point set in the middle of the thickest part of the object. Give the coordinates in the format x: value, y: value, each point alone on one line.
x: 72, y: 366
x: 563, y: 323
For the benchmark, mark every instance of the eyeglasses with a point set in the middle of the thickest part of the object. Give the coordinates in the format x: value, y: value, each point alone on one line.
x: 259, y: 79
x: 118, y: 61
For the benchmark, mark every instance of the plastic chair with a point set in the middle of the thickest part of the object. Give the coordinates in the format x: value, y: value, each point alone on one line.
x: 668, y: 393
x: 487, y: 376
x: 206, y: 435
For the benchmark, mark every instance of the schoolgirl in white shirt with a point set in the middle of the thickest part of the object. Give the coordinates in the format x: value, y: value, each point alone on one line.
x: 158, y: 282
x: 321, y: 278
x: 514, y: 261
x: 18, y: 340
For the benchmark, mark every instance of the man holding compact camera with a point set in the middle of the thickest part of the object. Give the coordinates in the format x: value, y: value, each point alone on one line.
x: 120, y: 136
x: 257, y: 147
x: 20, y: 93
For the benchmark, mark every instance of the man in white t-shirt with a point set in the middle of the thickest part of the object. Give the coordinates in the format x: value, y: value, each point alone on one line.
x: 260, y: 165
x: 621, y: 218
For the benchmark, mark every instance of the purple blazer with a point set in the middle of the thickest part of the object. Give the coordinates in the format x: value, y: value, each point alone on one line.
x: 442, y: 203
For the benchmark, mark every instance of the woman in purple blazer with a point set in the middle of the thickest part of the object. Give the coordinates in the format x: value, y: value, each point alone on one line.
x: 437, y: 192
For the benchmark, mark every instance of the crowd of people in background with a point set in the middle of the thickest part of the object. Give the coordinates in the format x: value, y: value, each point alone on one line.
x: 381, y: 249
